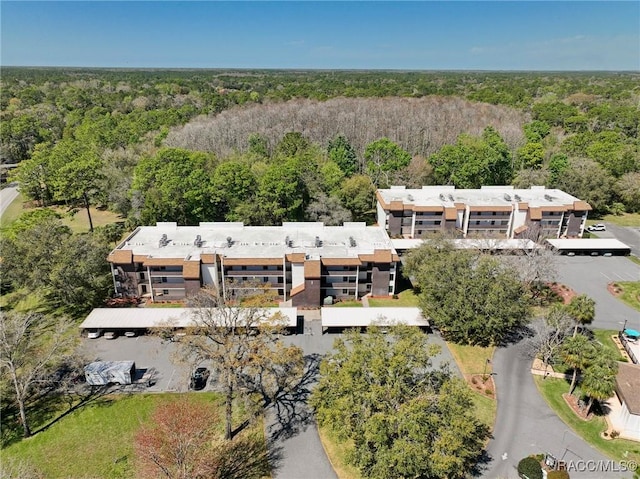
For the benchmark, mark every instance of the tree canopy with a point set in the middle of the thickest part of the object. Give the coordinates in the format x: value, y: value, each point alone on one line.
x: 470, y: 297
x: 405, y: 418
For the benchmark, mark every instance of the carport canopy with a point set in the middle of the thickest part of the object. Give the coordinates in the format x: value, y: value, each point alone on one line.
x: 150, y: 318
x: 600, y: 245
x: 362, y: 317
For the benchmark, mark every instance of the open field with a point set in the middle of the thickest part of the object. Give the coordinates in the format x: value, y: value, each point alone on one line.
x: 625, y: 219
x: 95, y: 440
x: 619, y: 449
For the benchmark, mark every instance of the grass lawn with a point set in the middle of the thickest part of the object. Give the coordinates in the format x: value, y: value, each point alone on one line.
x: 13, y: 211
x: 94, y: 441
x: 406, y: 298
x: 337, y: 454
x: 604, y: 337
x: 472, y: 359
x: 486, y: 409
x: 78, y: 221
x: 635, y: 259
x: 630, y: 293
x: 619, y: 449
x: 348, y: 304
x: 626, y: 219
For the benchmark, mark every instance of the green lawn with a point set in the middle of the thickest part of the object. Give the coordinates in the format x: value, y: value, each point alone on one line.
x: 337, y: 453
x: 626, y: 219
x: 406, y: 298
x: 630, y: 293
x: 486, y: 409
x: 348, y: 304
x: 94, y: 441
x: 13, y: 211
x: 604, y: 337
x: 619, y: 449
x: 472, y: 359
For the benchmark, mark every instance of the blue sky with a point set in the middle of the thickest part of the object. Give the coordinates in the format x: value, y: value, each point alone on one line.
x: 480, y: 35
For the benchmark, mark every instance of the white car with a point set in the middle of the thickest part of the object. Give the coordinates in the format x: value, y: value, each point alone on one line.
x: 110, y: 335
x: 94, y: 333
x: 597, y: 227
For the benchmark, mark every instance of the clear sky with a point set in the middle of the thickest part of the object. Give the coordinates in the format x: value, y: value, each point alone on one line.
x: 481, y: 35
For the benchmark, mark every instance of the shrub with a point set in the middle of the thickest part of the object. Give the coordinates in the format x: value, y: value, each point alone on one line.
x: 530, y: 468
x: 488, y: 392
x: 557, y: 475
x: 614, y: 434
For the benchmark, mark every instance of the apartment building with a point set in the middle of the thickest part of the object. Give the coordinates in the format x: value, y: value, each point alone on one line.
x: 302, y: 262
x: 492, y: 211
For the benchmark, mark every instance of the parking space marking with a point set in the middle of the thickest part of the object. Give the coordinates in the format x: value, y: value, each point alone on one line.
x: 609, y: 279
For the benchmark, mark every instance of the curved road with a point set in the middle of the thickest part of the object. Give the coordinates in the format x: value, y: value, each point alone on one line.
x: 526, y: 425
x: 7, y: 195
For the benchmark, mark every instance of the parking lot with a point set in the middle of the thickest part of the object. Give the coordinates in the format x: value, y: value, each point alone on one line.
x: 590, y: 275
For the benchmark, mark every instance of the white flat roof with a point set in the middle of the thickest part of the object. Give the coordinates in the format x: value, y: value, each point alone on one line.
x: 475, y: 243
x: 360, y: 317
x: 346, y: 241
x: 588, y: 243
x: 536, y: 196
x: 149, y: 318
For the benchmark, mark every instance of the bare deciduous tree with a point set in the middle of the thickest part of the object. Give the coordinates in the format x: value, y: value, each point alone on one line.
x: 549, y: 335
x: 242, y: 345
x: 30, y: 345
x: 419, y: 125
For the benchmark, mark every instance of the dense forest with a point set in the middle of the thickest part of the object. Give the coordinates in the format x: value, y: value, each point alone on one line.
x: 270, y: 146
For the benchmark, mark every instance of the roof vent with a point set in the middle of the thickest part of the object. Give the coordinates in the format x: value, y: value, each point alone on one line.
x: 410, y: 197
x: 518, y: 199
x: 229, y: 241
x: 318, y: 242
x: 451, y: 198
x: 548, y: 197
x: 442, y: 197
x: 164, y: 241
x: 198, y: 241
x: 288, y: 242
x: 352, y: 242
x: 507, y: 197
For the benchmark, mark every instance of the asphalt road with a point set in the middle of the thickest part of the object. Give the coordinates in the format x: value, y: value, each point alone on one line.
x: 526, y: 425
x: 590, y: 275
x: 629, y: 235
x: 7, y: 195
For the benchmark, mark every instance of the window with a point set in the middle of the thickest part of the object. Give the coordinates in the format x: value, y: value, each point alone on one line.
x: 345, y: 291
x: 243, y: 268
x: 165, y: 291
x: 244, y: 278
x: 345, y: 279
x: 265, y: 279
x: 142, y: 276
x: 280, y: 280
x: 163, y: 279
x: 265, y: 268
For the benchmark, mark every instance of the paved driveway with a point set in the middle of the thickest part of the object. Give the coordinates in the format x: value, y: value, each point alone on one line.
x: 7, y: 195
x: 629, y: 235
x: 590, y: 275
x: 526, y: 425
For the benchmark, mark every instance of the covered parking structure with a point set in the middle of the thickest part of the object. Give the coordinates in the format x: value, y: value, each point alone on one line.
x: 590, y: 246
x: 489, y: 245
x: 342, y: 318
x: 149, y: 319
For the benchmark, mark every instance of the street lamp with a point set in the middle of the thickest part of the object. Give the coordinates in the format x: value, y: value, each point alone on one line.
x: 624, y: 326
x: 484, y: 372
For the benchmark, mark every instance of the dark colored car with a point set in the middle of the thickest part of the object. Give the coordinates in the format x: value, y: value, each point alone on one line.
x: 199, y: 379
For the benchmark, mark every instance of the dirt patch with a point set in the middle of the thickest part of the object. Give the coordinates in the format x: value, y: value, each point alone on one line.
x: 614, y: 289
x: 577, y: 406
x: 483, y: 384
x: 563, y: 291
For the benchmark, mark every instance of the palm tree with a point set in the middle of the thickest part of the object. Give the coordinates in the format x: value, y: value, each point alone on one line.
x: 583, y: 310
x: 578, y: 353
x: 599, y: 379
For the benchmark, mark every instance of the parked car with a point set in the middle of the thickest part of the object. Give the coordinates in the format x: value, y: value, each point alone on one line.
x: 199, y: 379
x: 130, y: 334
x: 597, y: 227
x: 94, y: 333
x: 110, y: 335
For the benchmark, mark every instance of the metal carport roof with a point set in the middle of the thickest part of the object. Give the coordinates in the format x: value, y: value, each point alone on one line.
x: 361, y: 317
x: 149, y: 318
x: 589, y: 244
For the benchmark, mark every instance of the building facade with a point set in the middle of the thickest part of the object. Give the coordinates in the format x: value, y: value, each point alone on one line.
x: 492, y: 211
x: 301, y: 262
